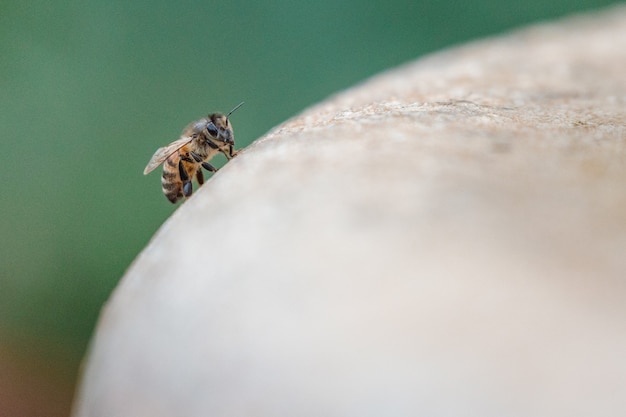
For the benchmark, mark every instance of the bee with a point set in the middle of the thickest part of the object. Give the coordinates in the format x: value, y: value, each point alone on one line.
x: 184, y: 158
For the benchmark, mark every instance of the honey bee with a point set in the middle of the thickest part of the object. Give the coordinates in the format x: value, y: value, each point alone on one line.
x: 182, y: 159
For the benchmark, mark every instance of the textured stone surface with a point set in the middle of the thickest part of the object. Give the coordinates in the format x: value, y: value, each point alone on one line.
x: 448, y: 238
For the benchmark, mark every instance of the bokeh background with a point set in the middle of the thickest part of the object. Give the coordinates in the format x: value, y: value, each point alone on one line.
x: 88, y: 91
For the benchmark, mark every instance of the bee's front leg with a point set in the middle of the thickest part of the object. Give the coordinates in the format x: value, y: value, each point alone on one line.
x: 230, y: 152
x: 212, y: 144
x: 184, y: 177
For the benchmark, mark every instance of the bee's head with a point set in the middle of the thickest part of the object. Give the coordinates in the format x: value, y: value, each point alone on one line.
x: 219, y: 129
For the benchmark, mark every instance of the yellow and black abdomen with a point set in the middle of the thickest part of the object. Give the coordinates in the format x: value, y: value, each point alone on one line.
x: 171, y: 183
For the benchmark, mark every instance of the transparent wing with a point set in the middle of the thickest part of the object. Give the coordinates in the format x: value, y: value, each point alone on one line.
x: 163, y: 153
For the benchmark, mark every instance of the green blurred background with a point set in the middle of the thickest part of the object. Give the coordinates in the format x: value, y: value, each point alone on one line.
x: 90, y: 89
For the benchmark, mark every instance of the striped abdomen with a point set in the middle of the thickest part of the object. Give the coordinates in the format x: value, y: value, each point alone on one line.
x: 170, y: 181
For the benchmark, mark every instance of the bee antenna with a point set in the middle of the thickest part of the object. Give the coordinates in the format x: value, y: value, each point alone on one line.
x: 236, y: 107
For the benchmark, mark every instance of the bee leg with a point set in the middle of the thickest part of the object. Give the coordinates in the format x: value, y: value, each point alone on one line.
x: 209, y: 167
x: 195, y: 156
x: 184, y: 177
x: 187, y: 189
x: 211, y: 144
x: 230, y: 153
x: 200, y: 176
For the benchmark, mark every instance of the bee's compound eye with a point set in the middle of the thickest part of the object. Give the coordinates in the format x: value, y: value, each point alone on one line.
x: 212, y: 129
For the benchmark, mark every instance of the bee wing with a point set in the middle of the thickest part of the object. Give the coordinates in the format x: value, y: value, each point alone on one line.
x: 163, y: 153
